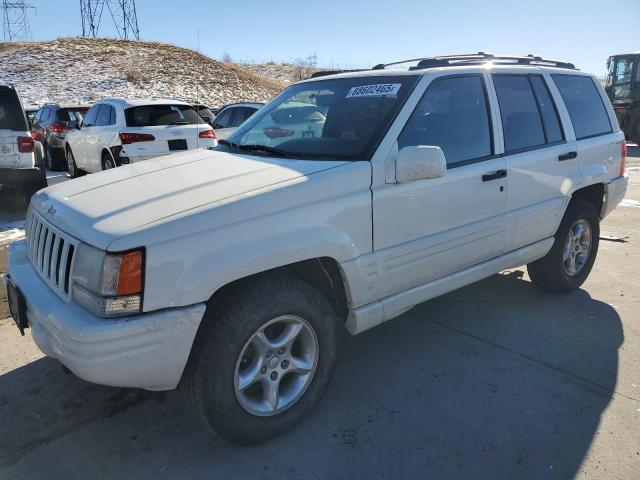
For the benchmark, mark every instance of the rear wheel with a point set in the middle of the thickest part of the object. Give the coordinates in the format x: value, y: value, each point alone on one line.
x: 107, y: 162
x: 52, y: 159
x: 568, y: 264
x: 261, y: 363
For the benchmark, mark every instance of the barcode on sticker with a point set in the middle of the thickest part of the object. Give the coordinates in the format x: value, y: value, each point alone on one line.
x: 374, y: 90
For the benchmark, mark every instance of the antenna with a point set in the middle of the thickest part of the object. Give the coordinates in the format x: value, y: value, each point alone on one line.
x: 123, y: 13
x: 16, y: 22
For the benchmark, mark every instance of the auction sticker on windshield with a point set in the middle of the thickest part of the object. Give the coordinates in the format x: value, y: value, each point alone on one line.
x: 374, y: 90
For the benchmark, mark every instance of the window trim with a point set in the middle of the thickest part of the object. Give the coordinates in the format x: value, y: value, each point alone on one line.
x: 606, y: 111
x: 487, y: 101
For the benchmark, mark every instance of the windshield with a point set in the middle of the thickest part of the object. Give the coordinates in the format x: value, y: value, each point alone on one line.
x: 341, y: 119
x: 620, y: 76
x: 154, y: 115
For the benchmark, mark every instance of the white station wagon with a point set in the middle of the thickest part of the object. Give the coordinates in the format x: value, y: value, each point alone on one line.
x: 227, y: 272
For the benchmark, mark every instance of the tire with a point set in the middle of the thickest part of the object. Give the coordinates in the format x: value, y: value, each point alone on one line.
x: 553, y: 272
x: 52, y: 160
x: 73, y: 169
x: 211, y: 379
x: 108, y: 162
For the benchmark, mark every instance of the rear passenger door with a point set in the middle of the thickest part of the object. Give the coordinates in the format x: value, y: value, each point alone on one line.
x: 425, y: 230
x: 541, y: 164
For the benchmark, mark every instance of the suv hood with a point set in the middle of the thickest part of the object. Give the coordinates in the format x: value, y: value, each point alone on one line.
x: 101, y: 207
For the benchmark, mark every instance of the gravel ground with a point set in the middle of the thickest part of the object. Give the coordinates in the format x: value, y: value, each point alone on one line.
x: 496, y: 380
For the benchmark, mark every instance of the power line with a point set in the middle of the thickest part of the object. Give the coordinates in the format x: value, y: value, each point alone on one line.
x: 122, y: 12
x: 16, y: 21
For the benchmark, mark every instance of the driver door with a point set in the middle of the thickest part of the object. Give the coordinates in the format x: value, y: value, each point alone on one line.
x: 426, y: 230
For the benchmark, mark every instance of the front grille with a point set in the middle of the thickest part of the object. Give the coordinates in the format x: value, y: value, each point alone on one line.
x: 51, y: 253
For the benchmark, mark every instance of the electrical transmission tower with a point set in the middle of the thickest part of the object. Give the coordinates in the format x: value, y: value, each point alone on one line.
x: 122, y: 12
x: 15, y: 20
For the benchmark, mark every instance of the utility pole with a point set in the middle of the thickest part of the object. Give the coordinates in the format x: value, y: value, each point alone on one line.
x: 15, y: 20
x: 123, y: 13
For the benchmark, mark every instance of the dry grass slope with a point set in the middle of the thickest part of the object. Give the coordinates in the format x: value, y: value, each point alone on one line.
x: 83, y: 69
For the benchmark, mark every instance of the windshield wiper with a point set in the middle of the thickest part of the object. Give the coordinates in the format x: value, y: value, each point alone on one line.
x: 262, y: 148
x: 227, y: 143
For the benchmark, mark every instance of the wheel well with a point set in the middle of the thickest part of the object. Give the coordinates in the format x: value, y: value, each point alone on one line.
x: 593, y: 194
x: 323, y: 273
x: 105, y: 151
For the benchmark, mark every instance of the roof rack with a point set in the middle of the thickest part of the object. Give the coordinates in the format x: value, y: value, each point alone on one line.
x: 478, y: 59
x: 324, y: 73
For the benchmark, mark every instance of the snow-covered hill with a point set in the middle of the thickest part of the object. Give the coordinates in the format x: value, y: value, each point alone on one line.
x: 83, y: 69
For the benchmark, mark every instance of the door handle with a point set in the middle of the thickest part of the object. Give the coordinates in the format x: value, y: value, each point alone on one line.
x: 567, y: 156
x: 487, y: 177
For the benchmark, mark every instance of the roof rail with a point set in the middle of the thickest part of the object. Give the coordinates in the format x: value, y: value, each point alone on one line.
x: 324, y: 73
x: 477, y: 59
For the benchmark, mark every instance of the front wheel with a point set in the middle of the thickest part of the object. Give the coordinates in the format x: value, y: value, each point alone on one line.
x: 73, y: 169
x: 261, y: 364
x: 568, y: 264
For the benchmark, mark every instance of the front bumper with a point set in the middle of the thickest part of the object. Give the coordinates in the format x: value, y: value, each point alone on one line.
x: 147, y: 351
x: 614, y: 192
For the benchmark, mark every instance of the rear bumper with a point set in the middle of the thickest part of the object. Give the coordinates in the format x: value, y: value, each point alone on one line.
x: 614, y: 192
x: 20, y: 176
x: 148, y: 351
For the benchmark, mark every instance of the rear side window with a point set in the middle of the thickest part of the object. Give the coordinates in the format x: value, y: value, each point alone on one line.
x: 154, y: 115
x: 11, y: 115
x: 584, y: 103
x: 521, y: 121
x: 452, y: 114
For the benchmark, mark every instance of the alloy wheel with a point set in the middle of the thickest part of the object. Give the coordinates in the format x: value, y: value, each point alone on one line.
x: 276, y: 366
x: 577, y: 247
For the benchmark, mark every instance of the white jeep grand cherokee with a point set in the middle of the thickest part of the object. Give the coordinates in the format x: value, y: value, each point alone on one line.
x: 228, y: 272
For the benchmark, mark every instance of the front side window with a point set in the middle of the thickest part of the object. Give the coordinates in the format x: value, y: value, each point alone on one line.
x: 620, y: 72
x: 454, y: 115
x: 224, y: 119
x: 91, y: 116
x: 160, y: 115
x: 584, y: 103
x: 344, y: 118
x: 104, y: 116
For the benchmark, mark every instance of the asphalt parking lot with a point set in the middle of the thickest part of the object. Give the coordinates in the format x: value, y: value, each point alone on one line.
x: 496, y: 380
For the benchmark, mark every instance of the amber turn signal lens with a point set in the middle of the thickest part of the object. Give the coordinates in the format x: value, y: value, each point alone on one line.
x: 130, y: 278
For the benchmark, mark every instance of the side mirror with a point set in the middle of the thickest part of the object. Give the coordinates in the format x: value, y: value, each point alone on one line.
x: 419, y: 163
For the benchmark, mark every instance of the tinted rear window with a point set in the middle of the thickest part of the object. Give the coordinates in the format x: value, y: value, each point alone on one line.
x: 584, y: 103
x: 11, y: 114
x: 153, y: 115
x: 68, y: 114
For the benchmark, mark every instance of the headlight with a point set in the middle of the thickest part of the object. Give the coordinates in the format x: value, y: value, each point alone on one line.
x: 108, y: 284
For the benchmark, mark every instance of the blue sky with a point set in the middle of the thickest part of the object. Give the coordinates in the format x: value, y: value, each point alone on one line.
x: 361, y: 33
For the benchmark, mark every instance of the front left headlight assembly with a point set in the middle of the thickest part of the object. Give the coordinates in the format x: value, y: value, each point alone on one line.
x: 108, y: 284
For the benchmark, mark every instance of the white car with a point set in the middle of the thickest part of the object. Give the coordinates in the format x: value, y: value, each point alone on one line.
x: 117, y: 132
x: 228, y: 272
x: 21, y: 171
x: 232, y: 116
